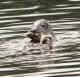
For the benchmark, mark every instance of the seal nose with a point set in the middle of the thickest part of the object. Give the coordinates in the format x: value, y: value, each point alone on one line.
x: 34, y: 31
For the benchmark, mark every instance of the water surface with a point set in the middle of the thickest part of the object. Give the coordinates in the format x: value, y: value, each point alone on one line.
x: 17, y: 17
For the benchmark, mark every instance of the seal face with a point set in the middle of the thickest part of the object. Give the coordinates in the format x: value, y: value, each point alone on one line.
x: 41, y: 32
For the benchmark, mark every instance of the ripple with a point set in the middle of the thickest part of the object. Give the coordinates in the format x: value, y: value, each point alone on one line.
x: 5, y: 21
x: 66, y: 8
x: 74, y: 0
x: 15, y: 9
x: 32, y: 15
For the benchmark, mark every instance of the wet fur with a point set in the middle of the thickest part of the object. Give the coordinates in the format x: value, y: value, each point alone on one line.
x: 43, y: 32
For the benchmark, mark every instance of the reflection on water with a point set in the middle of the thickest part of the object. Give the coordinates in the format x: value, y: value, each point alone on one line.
x: 17, y: 59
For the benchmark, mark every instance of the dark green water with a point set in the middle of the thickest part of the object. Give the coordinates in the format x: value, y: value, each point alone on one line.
x: 17, y: 17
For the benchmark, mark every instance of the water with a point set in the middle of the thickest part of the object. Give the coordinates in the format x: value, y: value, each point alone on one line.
x: 17, y: 17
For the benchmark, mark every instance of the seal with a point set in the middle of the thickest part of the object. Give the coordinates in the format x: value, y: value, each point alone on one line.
x: 41, y: 32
